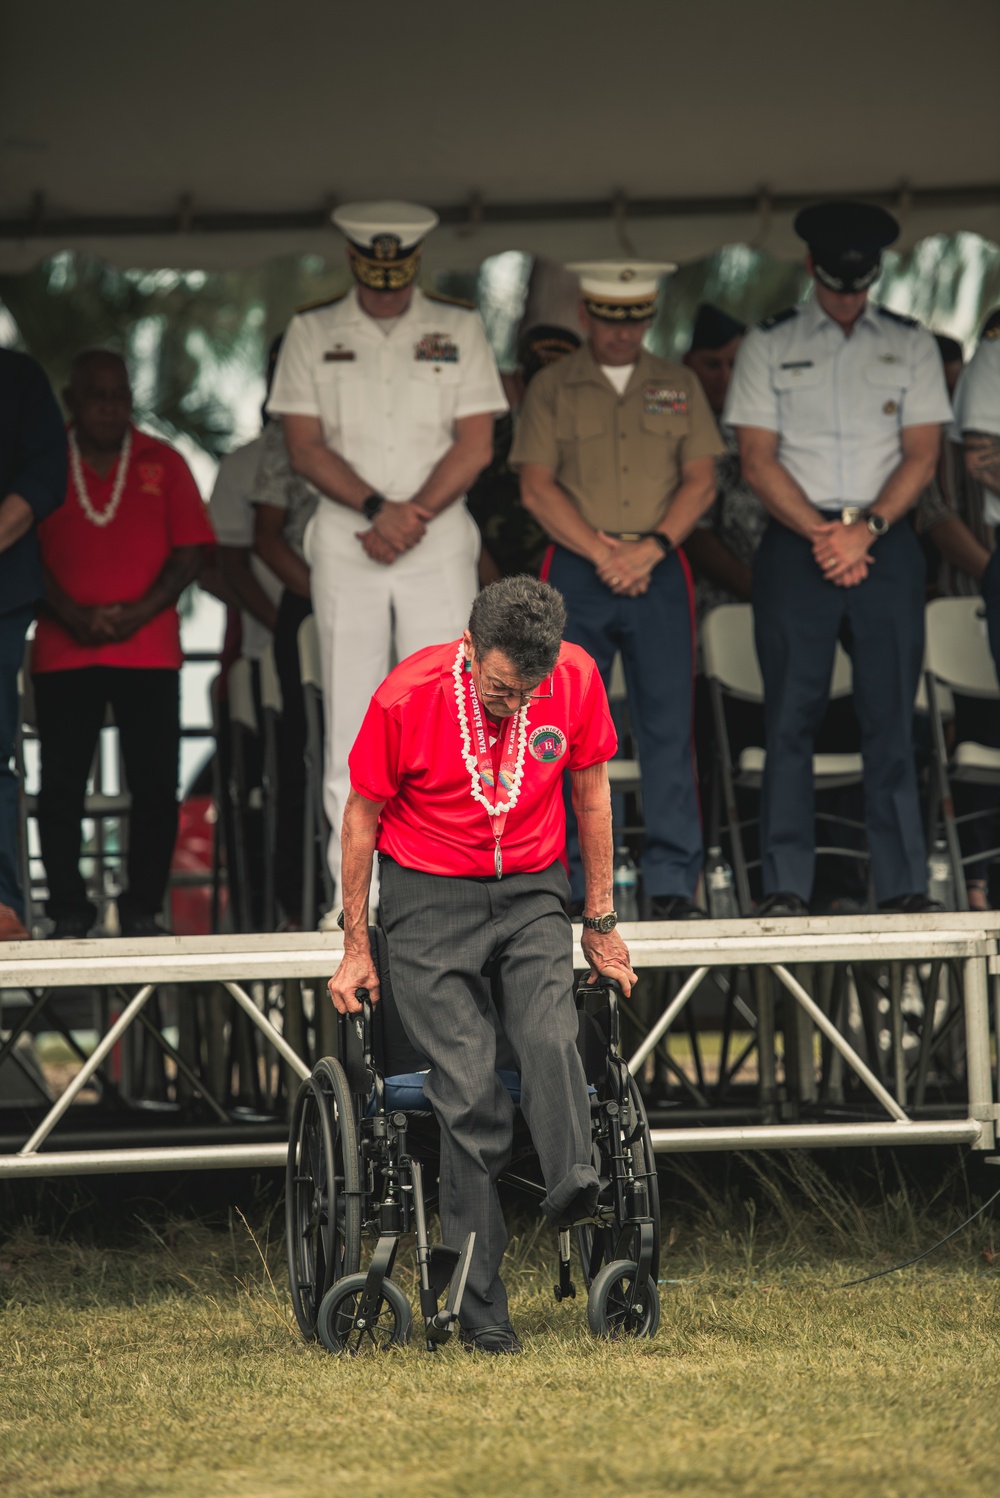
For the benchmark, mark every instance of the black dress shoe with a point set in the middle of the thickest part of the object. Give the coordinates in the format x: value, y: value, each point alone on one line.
x: 74, y: 926
x: 583, y: 1207
x: 137, y: 923
x: 492, y: 1339
x: 782, y: 903
x: 675, y: 908
x: 910, y: 905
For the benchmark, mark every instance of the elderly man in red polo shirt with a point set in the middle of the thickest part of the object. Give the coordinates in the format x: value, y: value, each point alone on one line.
x: 117, y: 555
x: 456, y: 780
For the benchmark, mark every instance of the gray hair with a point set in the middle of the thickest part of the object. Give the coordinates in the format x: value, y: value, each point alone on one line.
x: 523, y: 618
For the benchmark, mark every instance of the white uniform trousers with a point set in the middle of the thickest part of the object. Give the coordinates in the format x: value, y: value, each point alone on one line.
x: 369, y: 616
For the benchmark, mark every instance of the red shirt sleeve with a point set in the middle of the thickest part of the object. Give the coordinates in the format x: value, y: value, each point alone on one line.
x: 187, y: 515
x: 592, y: 738
x: 375, y: 758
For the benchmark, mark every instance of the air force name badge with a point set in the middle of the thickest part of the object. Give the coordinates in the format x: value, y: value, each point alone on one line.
x: 547, y: 744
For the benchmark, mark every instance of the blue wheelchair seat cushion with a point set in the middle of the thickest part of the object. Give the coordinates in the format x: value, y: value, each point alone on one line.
x: 406, y: 1092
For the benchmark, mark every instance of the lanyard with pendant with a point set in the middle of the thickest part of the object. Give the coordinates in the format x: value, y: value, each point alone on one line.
x: 511, y: 760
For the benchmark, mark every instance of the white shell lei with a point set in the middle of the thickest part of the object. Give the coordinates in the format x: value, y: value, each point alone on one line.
x: 470, y: 759
x: 105, y: 516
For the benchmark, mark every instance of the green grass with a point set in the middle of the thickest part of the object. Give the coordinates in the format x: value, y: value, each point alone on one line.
x: 169, y: 1364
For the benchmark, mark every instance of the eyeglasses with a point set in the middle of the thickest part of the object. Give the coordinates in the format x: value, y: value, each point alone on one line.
x: 499, y: 691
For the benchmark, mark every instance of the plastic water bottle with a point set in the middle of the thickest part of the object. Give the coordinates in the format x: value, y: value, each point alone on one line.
x: 722, y: 902
x: 626, y: 886
x: 940, y: 880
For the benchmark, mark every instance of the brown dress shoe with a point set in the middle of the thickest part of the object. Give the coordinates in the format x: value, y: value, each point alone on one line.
x: 12, y: 928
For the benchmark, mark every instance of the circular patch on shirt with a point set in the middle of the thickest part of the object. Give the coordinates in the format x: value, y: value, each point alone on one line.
x: 547, y: 744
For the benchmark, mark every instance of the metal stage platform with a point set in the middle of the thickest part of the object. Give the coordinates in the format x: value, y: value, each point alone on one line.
x: 749, y: 1034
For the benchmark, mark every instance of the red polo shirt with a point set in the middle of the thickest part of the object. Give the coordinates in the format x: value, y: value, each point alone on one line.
x: 160, y: 509
x: 409, y: 755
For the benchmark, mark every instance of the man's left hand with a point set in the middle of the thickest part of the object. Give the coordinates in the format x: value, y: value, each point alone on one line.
x: 838, y: 548
x: 131, y: 618
x: 628, y: 570
x: 608, y: 958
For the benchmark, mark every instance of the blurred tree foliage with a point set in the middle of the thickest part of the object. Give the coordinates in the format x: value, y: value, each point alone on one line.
x: 196, y: 341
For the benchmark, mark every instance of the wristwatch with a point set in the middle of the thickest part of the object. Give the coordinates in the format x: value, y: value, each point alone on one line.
x: 877, y: 524
x: 664, y: 542
x: 372, y: 505
x: 601, y: 923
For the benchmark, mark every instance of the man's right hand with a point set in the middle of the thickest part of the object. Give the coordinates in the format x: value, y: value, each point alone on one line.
x: 356, y: 970
x: 93, y: 626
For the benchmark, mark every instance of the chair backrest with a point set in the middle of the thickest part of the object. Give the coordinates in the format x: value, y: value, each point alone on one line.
x: 270, y: 686
x: 729, y: 652
x: 958, y: 651
x: 616, y: 685
x: 730, y: 655
x: 309, y: 667
x: 241, y: 704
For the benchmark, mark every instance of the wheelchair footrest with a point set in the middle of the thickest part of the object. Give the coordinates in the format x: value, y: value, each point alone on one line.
x: 441, y: 1267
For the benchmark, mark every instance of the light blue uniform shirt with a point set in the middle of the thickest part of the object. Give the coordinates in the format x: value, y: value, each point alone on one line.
x: 838, y: 404
x: 977, y: 407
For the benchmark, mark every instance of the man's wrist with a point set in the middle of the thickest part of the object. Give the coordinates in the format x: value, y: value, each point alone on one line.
x: 372, y: 504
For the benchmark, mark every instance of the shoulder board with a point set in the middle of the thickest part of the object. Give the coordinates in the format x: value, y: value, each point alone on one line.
x: 330, y: 301
x: 907, y: 322
x: 777, y: 318
x: 991, y: 333
x: 449, y: 301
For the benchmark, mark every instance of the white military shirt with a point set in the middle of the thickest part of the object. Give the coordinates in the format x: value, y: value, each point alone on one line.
x: 838, y: 404
x: 977, y: 407
x: 388, y: 401
x: 233, y: 522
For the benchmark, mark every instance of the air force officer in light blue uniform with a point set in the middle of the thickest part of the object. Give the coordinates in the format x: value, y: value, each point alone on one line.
x: 838, y: 405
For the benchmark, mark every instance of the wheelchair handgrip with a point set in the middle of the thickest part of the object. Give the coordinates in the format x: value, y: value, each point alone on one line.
x: 365, y: 1028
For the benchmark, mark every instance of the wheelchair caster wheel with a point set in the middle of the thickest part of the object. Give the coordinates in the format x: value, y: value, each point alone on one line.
x: 608, y: 1312
x: 342, y: 1328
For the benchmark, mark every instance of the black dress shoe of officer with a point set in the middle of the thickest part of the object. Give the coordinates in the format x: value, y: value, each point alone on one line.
x: 675, y: 908
x: 910, y: 905
x: 492, y: 1339
x: 782, y: 903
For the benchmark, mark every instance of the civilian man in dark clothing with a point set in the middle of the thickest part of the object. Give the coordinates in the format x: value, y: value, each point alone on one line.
x: 32, y: 485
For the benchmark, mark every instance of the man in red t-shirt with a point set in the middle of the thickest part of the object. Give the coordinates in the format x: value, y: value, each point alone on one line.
x: 456, y: 780
x: 117, y: 556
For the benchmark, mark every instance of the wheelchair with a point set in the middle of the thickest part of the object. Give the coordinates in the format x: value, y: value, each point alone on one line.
x: 362, y: 1135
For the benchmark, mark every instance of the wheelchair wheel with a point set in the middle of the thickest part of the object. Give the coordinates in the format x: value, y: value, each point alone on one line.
x: 338, y: 1326
x: 608, y: 1313
x: 598, y: 1246
x: 322, y: 1191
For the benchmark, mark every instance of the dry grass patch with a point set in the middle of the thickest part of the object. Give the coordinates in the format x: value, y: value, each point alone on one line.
x: 170, y: 1366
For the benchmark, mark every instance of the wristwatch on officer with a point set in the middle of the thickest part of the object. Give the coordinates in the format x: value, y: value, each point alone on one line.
x: 876, y: 523
x: 664, y: 542
x: 601, y: 923
x: 371, y: 506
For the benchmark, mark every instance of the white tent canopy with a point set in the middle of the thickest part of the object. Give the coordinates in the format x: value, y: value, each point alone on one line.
x: 217, y: 133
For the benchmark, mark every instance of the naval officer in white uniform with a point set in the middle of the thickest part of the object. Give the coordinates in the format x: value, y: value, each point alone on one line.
x: 387, y: 397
